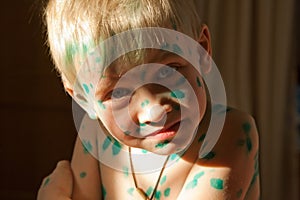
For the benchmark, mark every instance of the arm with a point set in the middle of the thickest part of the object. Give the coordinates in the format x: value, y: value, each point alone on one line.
x: 231, y: 170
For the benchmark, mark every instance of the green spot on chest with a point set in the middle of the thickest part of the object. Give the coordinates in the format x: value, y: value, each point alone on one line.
x: 87, y: 146
x: 177, y: 94
x: 163, y: 180
x: 217, y: 183
x: 130, y: 191
x: 82, y: 174
x: 167, y: 192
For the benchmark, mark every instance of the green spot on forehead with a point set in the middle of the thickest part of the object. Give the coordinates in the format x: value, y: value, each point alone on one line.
x: 46, y: 181
x: 246, y: 127
x: 162, y: 144
x: 87, y: 146
x: 82, y: 174
x: 198, y: 82
x: 130, y: 191
x: 217, y: 183
x: 116, y: 148
x: 145, y: 103
x: 177, y: 94
x: 86, y: 88
x: 167, y: 192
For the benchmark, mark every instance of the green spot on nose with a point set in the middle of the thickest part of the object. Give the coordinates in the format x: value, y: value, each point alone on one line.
x: 217, y: 183
x: 177, y: 94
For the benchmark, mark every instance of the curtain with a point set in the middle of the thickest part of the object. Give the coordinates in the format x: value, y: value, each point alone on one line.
x: 253, y: 48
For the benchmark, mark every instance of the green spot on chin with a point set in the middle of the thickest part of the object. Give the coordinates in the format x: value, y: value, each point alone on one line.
x: 87, y: 146
x: 149, y: 191
x: 86, y: 88
x: 177, y: 94
x: 198, y: 82
x: 167, y: 192
x: 46, y: 181
x: 116, y: 148
x: 162, y: 144
x: 106, y: 143
x: 130, y: 191
x: 163, y: 180
x: 82, y: 174
x: 192, y: 184
x: 217, y: 183
x: 209, y: 156
x: 246, y: 127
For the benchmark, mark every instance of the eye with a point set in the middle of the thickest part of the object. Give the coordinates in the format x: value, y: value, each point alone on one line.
x: 119, y: 93
x: 165, y: 72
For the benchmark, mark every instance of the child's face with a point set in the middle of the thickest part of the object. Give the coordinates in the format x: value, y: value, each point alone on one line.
x: 144, y: 106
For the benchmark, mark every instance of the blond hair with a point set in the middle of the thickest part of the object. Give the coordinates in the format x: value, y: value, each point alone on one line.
x: 74, y: 26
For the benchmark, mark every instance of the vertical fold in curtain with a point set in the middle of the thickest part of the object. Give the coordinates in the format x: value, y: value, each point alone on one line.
x: 252, y: 48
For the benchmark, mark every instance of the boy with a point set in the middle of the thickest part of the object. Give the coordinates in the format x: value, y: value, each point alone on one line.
x: 147, y: 87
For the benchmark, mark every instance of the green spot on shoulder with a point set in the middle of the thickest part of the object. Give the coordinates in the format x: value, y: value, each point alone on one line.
x: 177, y: 94
x: 246, y: 127
x: 163, y: 180
x: 87, y: 146
x: 167, y: 192
x: 116, y: 148
x: 217, y: 183
x: 162, y: 144
x: 192, y: 184
x: 47, y: 181
x: 106, y: 143
x: 198, y: 82
x: 209, y: 156
x: 82, y: 174
x: 130, y: 191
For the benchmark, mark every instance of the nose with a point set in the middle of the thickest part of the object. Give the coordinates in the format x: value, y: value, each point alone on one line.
x: 150, y: 105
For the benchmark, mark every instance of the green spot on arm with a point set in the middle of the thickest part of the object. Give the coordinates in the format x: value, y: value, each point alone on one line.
x: 82, y: 174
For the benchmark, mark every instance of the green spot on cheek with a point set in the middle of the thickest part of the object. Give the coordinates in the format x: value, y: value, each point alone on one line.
x: 149, y: 191
x: 116, y: 148
x: 82, y: 174
x: 217, y: 183
x: 198, y: 82
x: 177, y: 94
x: 86, y: 88
x: 106, y: 143
x: 46, y: 181
x: 162, y: 144
x: 163, y: 180
x: 167, y: 192
x: 130, y: 191
x: 87, y: 146
x: 102, y: 106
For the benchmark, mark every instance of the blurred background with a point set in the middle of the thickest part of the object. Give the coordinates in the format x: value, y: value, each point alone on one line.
x: 256, y: 45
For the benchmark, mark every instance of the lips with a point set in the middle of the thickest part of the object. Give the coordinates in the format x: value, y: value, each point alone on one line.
x: 165, y: 133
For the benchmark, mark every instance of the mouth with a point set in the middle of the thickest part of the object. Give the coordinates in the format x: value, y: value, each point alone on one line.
x: 165, y: 133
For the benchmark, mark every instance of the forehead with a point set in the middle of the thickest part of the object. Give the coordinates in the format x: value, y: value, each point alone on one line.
x: 132, y: 59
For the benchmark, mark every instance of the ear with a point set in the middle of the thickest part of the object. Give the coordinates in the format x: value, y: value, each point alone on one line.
x: 205, y: 39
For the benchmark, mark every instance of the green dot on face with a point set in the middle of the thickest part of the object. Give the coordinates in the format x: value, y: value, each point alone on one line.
x: 163, y: 180
x: 249, y: 144
x: 86, y: 88
x: 87, y: 146
x: 157, y: 194
x: 177, y: 94
x: 106, y: 143
x: 130, y: 191
x: 149, y: 191
x: 101, y: 105
x: 82, y: 174
x: 217, y: 183
x: 162, y: 144
x: 116, y: 148
x: 145, y: 103
x: 167, y: 192
x: 192, y: 184
x: 46, y: 181
x: 210, y: 155
x: 198, y: 82
x: 246, y: 127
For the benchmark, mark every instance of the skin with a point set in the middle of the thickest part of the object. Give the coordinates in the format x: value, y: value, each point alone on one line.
x: 229, y: 171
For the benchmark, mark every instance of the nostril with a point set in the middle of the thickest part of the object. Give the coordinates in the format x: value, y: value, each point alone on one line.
x: 157, y: 113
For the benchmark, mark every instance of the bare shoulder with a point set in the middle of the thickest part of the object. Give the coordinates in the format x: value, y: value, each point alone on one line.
x: 230, y: 169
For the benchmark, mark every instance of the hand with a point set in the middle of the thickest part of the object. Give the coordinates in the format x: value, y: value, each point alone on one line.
x: 59, y: 184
